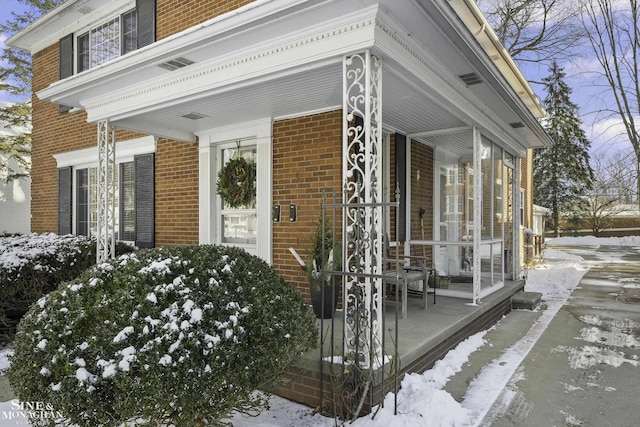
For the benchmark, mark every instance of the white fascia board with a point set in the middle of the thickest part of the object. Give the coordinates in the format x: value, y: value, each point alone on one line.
x: 125, y: 151
x: 299, y: 52
x: 424, y: 65
x: 69, y: 17
x: 141, y: 126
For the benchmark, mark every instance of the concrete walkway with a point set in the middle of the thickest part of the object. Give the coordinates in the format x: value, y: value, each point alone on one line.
x: 582, y: 369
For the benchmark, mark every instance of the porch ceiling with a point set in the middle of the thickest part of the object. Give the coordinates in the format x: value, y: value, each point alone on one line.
x: 316, y: 90
x: 284, y: 58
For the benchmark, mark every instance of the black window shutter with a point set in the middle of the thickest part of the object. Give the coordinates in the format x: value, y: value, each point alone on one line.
x: 401, y: 182
x: 145, y: 200
x: 146, y: 22
x: 66, y: 63
x: 64, y: 200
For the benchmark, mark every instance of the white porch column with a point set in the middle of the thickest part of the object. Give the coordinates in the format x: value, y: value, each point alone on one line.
x: 516, y: 219
x: 106, y: 242
x: 363, y: 214
x: 477, y: 213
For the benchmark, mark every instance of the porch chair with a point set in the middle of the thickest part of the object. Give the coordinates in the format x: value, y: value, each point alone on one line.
x: 405, y: 274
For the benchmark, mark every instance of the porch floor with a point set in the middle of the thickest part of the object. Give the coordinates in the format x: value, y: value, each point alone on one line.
x: 424, y: 337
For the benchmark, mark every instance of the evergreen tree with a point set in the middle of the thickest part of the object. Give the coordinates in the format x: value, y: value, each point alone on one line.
x: 15, y: 79
x: 561, y: 173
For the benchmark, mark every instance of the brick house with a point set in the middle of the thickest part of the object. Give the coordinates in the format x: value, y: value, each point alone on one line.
x: 139, y: 103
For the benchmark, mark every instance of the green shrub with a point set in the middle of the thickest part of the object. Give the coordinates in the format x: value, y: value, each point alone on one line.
x: 32, y: 266
x: 180, y: 336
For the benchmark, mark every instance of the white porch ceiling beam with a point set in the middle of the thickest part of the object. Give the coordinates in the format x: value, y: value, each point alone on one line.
x: 440, y: 132
x: 144, y: 127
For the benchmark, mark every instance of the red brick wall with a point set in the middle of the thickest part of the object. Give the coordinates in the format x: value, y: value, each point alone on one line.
x: 176, y: 193
x: 53, y: 132
x: 306, y: 159
x: 173, y: 16
x: 421, y: 193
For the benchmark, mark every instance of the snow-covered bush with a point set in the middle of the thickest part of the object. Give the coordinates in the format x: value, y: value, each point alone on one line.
x: 32, y: 266
x: 175, y: 336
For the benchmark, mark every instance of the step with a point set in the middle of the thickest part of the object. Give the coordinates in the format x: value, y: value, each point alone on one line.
x: 526, y: 300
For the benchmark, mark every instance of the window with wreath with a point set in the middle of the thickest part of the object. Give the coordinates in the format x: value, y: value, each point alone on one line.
x: 236, y: 185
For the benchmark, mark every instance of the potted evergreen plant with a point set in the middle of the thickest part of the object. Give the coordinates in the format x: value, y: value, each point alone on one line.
x: 324, y: 255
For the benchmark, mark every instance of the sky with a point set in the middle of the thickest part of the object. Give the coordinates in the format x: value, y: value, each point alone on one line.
x: 423, y: 396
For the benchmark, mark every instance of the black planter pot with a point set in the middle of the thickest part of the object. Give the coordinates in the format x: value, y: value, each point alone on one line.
x: 324, y: 309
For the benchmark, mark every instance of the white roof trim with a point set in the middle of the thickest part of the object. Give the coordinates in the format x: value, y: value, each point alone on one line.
x: 125, y: 151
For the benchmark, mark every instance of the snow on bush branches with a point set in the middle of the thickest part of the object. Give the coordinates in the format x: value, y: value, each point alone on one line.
x: 175, y: 336
x: 32, y: 266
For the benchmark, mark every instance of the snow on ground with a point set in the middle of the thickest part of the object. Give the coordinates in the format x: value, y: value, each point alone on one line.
x: 595, y: 241
x: 422, y: 396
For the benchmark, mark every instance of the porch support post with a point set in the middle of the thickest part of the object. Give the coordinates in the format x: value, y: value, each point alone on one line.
x: 363, y: 212
x: 477, y: 213
x: 515, y: 224
x: 106, y: 242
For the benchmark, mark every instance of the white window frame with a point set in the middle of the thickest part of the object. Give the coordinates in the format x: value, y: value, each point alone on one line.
x: 118, y: 14
x: 259, y: 132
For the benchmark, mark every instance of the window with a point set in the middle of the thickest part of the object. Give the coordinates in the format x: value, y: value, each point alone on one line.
x: 454, y: 204
x: 238, y: 225
x: 86, y: 214
x: 109, y: 39
x: 134, y: 192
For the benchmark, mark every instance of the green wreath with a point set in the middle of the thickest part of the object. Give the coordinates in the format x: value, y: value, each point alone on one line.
x: 236, y: 182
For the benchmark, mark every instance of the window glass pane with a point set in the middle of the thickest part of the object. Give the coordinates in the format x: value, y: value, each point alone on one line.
x: 487, y: 190
x: 129, y: 32
x: 105, y: 42
x: 249, y: 154
x: 498, y: 192
x: 239, y: 223
x: 82, y: 202
x: 83, y: 52
x: 239, y: 228
x: 93, y: 201
x: 128, y: 220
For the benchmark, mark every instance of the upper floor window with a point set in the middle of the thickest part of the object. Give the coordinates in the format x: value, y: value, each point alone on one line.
x: 121, y: 34
x: 107, y: 41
